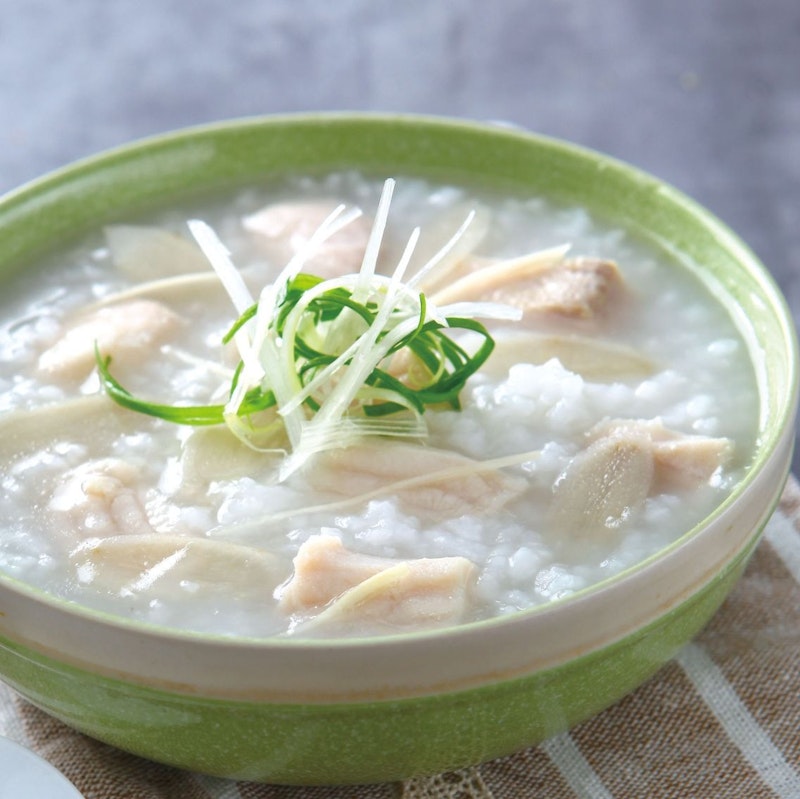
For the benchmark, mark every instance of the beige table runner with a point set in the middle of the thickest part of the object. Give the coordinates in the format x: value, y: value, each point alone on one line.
x: 721, y: 720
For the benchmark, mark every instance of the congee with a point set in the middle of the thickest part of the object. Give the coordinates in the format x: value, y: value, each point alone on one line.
x: 340, y: 405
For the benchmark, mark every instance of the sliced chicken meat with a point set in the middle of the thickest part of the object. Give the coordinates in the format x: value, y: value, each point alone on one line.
x: 602, y: 487
x: 378, y: 594
x: 579, y: 287
x: 285, y: 229
x: 543, y: 283
x: 323, y: 570
x: 126, y: 331
x: 626, y: 461
x: 681, y: 460
x: 101, y: 497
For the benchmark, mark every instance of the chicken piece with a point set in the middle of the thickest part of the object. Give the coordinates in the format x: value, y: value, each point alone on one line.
x: 415, y: 594
x: 100, y: 497
x: 150, y: 253
x: 625, y: 462
x: 286, y: 228
x: 168, y: 566
x: 369, y: 593
x: 122, y: 330
x: 580, y: 287
x: 603, y: 486
x: 681, y: 461
x: 545, y: 282
x: 324, y: 569
x: 428, y: 481
x: 479, y: 279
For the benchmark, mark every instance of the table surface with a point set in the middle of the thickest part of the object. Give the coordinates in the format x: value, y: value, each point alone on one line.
x: 704, y: 95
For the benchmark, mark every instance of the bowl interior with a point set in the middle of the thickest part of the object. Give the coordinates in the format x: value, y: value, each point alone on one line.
x: 207, y: 161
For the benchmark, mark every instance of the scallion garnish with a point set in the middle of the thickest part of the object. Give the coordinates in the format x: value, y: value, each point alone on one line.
x: 362, y: 354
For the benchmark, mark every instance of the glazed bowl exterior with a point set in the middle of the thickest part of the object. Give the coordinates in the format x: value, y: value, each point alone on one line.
x: 369, y: 710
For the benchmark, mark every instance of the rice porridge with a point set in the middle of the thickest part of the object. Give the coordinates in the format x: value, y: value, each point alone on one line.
x: 343, y: 406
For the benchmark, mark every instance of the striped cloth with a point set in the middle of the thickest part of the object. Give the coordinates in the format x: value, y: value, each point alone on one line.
x: 721, y: 720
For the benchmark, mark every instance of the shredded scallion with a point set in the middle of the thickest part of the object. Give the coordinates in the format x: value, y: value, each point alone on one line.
x: 337, y: 359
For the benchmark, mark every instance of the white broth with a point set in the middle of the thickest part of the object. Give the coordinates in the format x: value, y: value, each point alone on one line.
x: 616, y: 410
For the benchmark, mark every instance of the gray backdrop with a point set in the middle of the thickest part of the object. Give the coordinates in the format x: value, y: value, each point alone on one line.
x: 705, y: 95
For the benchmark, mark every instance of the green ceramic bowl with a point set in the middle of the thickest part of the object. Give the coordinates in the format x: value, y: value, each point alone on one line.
x: 384, y: 709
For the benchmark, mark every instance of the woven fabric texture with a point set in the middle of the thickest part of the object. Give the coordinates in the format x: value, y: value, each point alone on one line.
x: 720, y: 720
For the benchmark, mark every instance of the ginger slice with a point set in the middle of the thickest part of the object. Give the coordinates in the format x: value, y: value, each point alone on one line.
x: 457, y: 485
x: 168, y: 566
x: 148, y: 253
x: 447, y: 245
x: 591, y: 358
x: 214, y: 453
